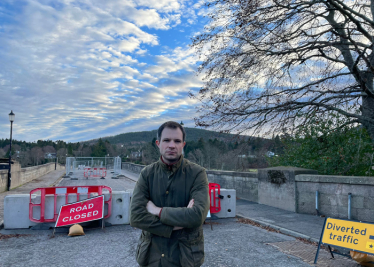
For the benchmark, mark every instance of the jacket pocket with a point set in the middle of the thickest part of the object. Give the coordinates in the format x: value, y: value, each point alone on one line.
x: 143, y: 249
x: 192, y: 250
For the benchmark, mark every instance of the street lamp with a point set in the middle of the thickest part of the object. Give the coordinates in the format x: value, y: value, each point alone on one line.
x: 11, y: 119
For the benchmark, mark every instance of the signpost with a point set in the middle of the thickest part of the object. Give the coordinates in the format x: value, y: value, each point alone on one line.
x: 83, y: 211
x: 357, y: 236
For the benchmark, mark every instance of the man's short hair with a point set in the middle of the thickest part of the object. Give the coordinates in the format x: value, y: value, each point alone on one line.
x: 172, y: 125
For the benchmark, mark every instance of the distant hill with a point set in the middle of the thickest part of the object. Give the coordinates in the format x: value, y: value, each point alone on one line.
x: 192, y: 134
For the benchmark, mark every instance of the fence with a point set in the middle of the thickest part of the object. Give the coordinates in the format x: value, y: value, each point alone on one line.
x: 117, y: 165
x: 76, y: 165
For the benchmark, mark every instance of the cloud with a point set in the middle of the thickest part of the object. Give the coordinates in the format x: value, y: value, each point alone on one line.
x: 77, y: 70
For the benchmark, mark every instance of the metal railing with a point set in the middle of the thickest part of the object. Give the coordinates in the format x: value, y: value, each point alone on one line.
x: 76, y: 165
x: 117, y: 165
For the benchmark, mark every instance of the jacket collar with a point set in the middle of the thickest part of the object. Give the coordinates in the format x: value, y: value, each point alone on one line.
x: 171, y: 167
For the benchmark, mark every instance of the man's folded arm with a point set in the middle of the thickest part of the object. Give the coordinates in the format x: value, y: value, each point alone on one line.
x: 140, y: 217
x: 190, y: 217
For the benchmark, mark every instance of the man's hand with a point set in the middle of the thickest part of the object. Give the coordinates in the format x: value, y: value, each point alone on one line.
x: 153, y: 209
x: 190, y: 205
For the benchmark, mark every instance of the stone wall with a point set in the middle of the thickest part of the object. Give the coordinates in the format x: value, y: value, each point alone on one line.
x: 276, y: 186
x: 294, y: 189
x: 136, y: 168
x: 3, y: 180
x: 333, y: 196
x: 21, y: 176
x: 245, y: 183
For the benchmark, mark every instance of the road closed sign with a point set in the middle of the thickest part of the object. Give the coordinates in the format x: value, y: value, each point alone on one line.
x: 353, y: 235
x: 83, y: 211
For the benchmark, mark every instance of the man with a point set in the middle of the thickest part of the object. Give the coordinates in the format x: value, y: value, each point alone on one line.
x: 170, y: 203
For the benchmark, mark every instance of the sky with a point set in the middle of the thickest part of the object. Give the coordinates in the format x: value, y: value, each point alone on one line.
x: 76, y: 70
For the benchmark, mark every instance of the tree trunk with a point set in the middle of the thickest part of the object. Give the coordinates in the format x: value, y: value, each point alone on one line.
x: 368, y: 114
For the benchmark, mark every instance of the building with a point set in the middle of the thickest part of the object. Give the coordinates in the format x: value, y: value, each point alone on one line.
x: 136, y: 154
x: 50, y: 155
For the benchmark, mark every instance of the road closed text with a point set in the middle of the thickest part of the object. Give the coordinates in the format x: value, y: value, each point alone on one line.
x: 83, y: 211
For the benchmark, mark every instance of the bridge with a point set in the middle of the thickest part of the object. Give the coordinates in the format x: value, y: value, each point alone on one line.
x: 295, y: 188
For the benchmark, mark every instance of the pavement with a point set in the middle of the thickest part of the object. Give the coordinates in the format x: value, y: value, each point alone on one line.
x: 50, y: 179
x: 123, y: 182
x: 275, y: 221
x: 305, y: 226
x: 229, y: 244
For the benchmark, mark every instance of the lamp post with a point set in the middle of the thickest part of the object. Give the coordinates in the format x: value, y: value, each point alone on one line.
x: 11, y: 119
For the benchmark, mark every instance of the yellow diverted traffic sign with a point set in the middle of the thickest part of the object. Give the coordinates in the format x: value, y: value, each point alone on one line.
x: 353, y: 235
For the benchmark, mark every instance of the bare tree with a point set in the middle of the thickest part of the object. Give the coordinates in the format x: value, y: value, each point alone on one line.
x: 86, y: 151
x: 62, y: 154
x: 6, y: 148
x: 16, y: 149
x: 274, y: 64
x: 37, y: 155
x: 49, y: 149
x: 192, y: 157
x: 199, y: 155
x: 26, y: 158
x: 111, y: 150
x: 150, y: 153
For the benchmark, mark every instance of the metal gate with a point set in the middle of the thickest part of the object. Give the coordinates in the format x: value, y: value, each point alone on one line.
x: 215, y: 197
x: 65, y: 195
x: 117, y: 165
x: 75, y: 166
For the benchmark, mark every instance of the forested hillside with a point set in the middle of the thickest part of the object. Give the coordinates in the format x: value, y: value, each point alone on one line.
x: 210, y: 149
x: 192, y: 134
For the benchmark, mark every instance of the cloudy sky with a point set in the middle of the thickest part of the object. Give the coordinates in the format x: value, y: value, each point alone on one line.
x: 81, y: 69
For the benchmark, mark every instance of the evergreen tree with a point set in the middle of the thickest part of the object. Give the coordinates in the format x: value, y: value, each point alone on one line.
x: 99, y: 149
x: 328, y: 148
x: 70, y: 150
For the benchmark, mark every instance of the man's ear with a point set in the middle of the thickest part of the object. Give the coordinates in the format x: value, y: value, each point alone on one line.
x: 157, y: 142
x: 184, y: 143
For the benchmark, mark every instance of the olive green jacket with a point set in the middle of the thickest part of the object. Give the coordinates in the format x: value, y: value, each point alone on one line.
x: 172, y: 190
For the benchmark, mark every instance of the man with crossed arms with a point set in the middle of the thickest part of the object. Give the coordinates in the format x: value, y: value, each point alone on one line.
x: 169, y: 204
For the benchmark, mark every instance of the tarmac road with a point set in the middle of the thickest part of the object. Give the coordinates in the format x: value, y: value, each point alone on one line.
x: 230, y: 243
x: 126, y: 181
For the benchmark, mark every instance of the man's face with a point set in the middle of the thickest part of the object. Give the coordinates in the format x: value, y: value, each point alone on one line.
x: 171, y: 144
